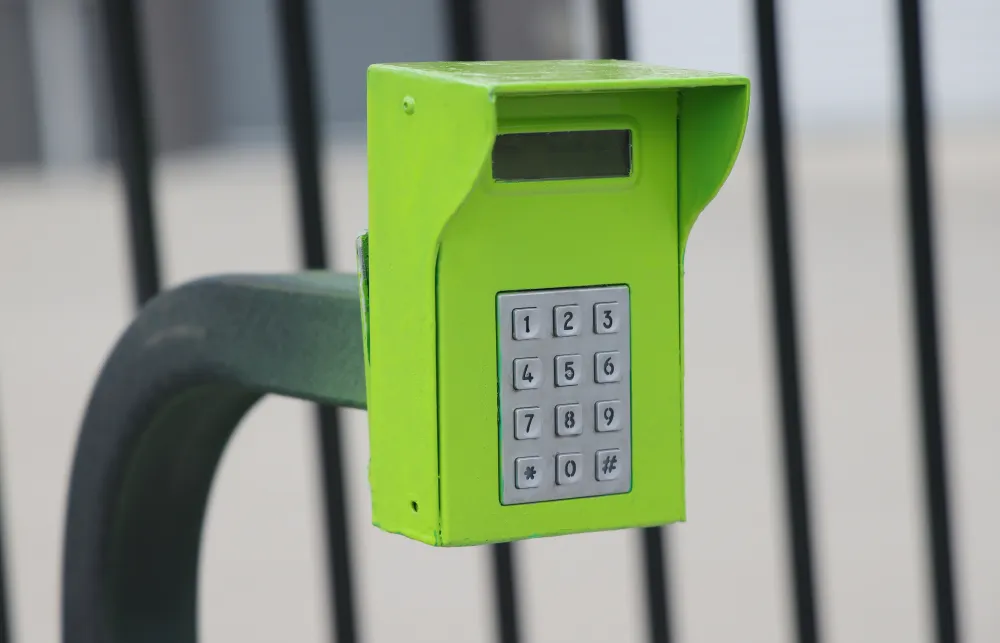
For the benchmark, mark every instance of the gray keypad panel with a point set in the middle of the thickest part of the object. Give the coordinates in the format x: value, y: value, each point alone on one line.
x: 564, y: 364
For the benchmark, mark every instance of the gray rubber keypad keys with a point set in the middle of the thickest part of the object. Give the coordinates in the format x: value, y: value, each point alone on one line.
x: 565, y: 366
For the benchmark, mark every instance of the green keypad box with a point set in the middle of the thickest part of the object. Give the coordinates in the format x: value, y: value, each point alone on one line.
x: 522, y: 290
x: 565, y: 420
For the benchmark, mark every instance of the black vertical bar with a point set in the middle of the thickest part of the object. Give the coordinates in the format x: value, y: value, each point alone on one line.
x: 508, y: 630
x: 125, y: 64
x: 657, y: 597
x: 614, y: 33
x: 466, y: 45
x: 304, y: 128
x: 5, y: 616
x: 463, y: 24
x: 614, y: 29
x: 925, y: 308
x: 783, y: 289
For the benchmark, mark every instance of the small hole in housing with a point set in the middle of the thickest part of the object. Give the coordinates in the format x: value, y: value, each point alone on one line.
x: 413, y: 505
x: 408, y: 104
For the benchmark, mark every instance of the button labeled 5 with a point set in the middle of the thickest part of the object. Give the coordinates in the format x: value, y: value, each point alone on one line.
x: 568, y: 370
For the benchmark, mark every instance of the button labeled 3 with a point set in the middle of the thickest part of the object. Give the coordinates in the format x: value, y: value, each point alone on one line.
x: 606, y: 318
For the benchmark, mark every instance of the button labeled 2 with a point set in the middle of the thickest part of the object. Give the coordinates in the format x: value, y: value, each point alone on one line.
x: 566, y: 321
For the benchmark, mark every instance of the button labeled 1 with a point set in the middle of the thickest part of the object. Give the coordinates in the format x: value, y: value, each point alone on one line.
x: 527, y: 323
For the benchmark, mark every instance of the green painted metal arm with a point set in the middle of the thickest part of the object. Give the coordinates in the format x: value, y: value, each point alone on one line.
x: 169, y: 396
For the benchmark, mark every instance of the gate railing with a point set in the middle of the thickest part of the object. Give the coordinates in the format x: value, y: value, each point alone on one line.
x: 135, y: 156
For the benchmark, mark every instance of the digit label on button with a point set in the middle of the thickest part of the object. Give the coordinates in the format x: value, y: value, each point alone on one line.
x: 527, y: 423
x: 527, y: 324
x: 569, y: 419
x: 568, y: 369
x: 527, y: 373
x: 569, y: 468
x: 608, y: 415
x: 606, y: 318
x: 607, y: 367
x: 566, y: 321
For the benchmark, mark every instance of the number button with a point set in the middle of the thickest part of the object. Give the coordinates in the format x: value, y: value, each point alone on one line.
x: 568, y: 370
x: 527, y: 373
x: 569, y: 468
x: 566, y: 321
x: 607, y: 367
x: 606, y: 318
x: 608, y: 415
x: 527, y: 472
x: 527, y: 423
x: 527, y: 323
x: 608, y: 463
x: 569, y: 419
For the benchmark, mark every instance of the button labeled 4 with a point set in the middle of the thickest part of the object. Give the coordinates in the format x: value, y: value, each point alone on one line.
x: 527, y: 373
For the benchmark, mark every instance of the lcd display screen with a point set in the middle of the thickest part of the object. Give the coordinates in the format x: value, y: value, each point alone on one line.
x: 547, y: 156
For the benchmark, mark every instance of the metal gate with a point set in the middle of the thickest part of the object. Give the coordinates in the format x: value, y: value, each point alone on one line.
x: 135, y: 156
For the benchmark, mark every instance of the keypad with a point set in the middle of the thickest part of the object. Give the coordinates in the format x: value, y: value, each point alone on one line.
x: 565, y: 400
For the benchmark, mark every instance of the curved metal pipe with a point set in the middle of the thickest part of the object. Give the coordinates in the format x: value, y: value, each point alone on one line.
x: 171, y: 393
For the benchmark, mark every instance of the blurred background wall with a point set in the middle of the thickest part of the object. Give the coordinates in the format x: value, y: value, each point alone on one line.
x: 225, y: 204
